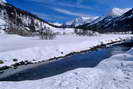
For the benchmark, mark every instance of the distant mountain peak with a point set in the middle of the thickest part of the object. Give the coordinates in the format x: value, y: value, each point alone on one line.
x: 82, y: 20
x: 118, y: 11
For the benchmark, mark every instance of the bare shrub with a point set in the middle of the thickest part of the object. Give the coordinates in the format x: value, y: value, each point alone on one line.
x: 47, y: 34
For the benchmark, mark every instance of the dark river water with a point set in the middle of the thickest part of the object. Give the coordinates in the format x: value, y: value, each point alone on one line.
x: 81, y: 60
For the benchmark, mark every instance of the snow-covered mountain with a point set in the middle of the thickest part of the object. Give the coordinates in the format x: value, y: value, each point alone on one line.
x: 15, y: 20
x: 118, y: 21
x: 118, y: 11
x: 82, y: 20
x: 115, y: 12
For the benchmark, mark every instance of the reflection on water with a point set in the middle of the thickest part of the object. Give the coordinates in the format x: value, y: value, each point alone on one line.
x: 88, y: 59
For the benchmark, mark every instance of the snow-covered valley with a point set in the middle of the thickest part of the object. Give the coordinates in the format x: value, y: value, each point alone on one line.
x: 88, y: 52
x: 35, y: 50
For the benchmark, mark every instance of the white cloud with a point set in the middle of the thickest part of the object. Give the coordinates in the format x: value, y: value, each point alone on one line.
x: 75, y: 5
x: 69, y: 12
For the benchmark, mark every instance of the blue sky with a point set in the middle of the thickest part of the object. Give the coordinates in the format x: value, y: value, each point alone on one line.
x: 66, y: 10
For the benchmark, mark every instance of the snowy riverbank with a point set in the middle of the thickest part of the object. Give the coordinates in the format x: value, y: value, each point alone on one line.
x: 35, y: 50
x: 115, y: 72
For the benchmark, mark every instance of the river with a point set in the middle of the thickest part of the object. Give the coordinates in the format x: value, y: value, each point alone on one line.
x: 81, y: 60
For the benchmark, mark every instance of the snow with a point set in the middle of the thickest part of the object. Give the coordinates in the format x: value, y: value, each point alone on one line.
x: 2, y: 22
x: 118, y: 11
x: 115, y: 72
x: 62, y: 31
x: 34, y: 49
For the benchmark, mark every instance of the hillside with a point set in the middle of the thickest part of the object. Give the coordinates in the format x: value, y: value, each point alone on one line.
x: 14, y: 20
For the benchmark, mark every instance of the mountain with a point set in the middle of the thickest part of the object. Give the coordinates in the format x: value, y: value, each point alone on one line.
x: 94, y: 19
x: 15, y: 20
x: 116, y: 22
x: 81, y: 20
x: 122, y: 23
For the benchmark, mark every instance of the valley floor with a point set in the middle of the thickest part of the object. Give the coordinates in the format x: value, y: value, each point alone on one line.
x: 34, y: 49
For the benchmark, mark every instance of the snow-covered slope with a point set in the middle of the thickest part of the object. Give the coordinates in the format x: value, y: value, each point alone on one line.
x: 96, y: 20
x: 118, y: 11
x: 115, y: 72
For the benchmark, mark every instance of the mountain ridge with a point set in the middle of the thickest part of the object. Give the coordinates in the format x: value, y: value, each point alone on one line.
x: 108, y: 23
